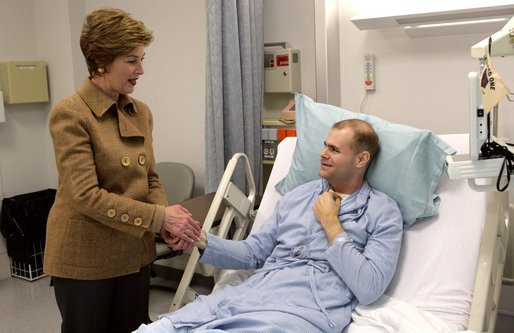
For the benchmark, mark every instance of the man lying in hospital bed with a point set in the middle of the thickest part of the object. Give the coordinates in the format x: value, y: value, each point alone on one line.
x: 332, y: 234
x: 433, y: 287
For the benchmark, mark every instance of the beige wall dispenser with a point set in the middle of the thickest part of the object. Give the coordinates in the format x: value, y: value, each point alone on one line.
x: 24, y: 82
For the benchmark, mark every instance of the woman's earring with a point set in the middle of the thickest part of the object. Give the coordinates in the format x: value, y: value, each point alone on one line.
x: 101, y: 70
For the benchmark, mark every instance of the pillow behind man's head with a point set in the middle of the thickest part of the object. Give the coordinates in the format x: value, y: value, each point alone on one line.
x: 407, y: 168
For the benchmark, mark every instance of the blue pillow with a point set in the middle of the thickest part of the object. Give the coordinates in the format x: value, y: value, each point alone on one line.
x: 407, y: 168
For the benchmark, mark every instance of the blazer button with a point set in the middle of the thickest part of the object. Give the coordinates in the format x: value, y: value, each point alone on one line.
x: 125, y: 161
x: 111, y: 213
x: 138, y: 221
x: 142, y: 160
x: 124, y: 218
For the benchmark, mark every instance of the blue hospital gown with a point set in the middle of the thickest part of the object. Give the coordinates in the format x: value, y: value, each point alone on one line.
x: 301, y: 284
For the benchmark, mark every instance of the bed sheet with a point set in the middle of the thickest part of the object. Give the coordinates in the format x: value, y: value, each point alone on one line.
x: 438, y: 261
x: 439, y: 255
x: 391, y: 315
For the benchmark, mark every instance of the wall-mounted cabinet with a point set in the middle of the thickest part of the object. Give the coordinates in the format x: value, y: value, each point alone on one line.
x: 282, y: 69
x: 24, y: 82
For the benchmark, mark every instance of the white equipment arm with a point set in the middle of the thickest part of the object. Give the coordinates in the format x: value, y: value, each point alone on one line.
x: 501, y: 43
x: 472, y: 166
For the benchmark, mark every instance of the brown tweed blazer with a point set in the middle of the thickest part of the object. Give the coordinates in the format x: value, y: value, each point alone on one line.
x: 109, y: 200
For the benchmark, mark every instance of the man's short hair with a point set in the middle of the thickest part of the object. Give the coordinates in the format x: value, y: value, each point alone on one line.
x: 365, y: 137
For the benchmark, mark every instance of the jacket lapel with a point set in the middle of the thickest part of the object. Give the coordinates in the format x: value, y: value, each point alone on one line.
x: 129, y: 123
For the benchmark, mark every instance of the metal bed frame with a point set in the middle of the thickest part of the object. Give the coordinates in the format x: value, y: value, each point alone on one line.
x: 238, y: 214
x: 491, y: 262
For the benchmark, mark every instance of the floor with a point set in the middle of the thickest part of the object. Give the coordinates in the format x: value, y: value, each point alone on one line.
x: 28, y: 307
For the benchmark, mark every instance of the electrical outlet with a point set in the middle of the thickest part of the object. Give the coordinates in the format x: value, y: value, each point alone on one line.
x: 369, y: 72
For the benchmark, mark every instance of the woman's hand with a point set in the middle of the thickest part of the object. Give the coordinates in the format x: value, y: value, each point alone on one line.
x: 179, y: 229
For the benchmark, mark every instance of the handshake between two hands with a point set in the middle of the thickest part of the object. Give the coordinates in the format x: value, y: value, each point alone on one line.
x: 180, y: 231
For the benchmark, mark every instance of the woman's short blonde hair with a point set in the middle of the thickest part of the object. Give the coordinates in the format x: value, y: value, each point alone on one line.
x: 108, y: 33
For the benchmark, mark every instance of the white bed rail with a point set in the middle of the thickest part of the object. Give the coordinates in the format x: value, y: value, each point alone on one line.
x: 238, y: 212
x: 486, y: 293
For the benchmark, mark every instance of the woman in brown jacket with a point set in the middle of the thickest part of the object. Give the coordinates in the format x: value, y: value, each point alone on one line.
x: 109, y: 202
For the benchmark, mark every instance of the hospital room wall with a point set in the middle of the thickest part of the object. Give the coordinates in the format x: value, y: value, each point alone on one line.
x: 174, y: 81
x: 421, y: 82
x: 23, y: 149
x: 173, y: 85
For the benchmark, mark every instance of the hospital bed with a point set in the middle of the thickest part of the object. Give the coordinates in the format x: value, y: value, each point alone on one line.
x: 450, y: 270
x: 236, y: 211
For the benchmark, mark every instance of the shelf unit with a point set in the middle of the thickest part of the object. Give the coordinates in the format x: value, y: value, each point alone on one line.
x: 269, y: 123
